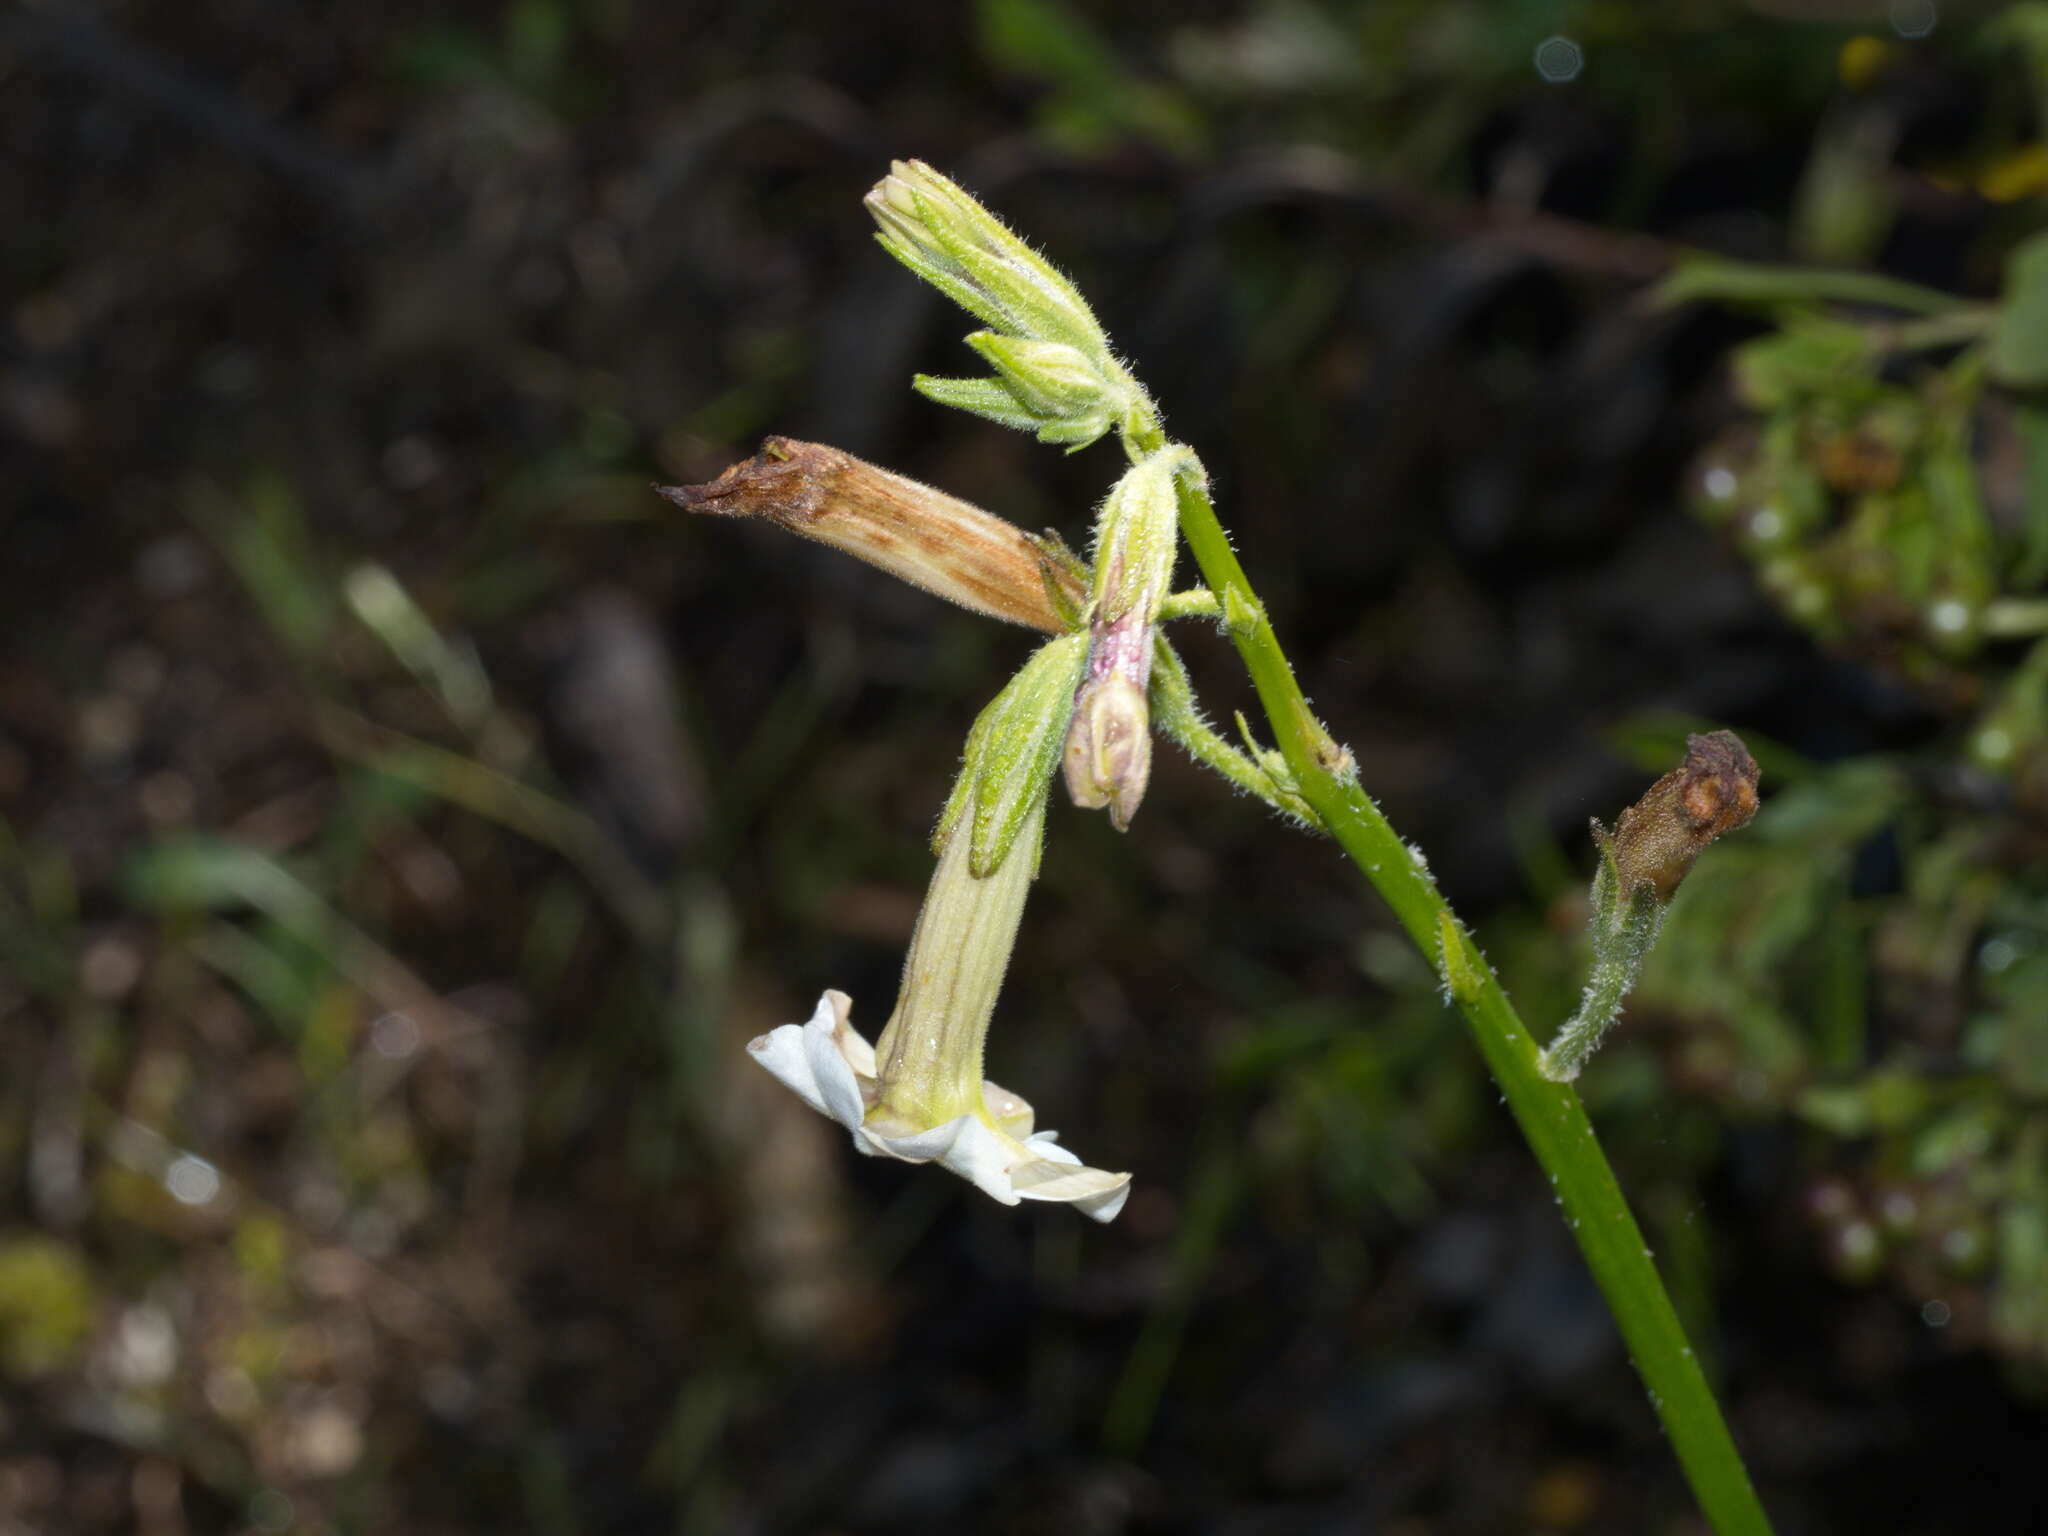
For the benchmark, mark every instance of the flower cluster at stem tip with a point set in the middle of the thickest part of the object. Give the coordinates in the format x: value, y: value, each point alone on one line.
x: 1080, y: 703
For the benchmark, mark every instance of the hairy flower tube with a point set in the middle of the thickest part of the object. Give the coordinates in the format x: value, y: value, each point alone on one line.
x: 917, y: 1093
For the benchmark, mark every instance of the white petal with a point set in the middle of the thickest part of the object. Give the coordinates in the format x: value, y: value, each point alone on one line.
x: 966, y: 1145
x: 1047, y: 1144
x: 1008, y: 1170
x: 782, y: 1052
x: 812, y: 1060
x: 823, y: 1062
x: 853, y: 1045
x: 825, y: 1041
x: 1088, y: 1190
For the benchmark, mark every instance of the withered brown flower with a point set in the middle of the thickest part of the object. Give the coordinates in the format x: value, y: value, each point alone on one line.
x: 945, y: 545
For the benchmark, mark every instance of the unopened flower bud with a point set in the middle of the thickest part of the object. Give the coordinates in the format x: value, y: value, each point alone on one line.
x: 941, y: 233
x: 1109, y: 741
x: 1109, y: 747
x: 945, y: 545
x: 1137, y: 534
x: 1049, y: 378
x: 1045, y: 387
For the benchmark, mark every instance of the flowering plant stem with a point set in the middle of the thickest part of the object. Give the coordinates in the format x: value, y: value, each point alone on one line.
x: 1550, y: 1114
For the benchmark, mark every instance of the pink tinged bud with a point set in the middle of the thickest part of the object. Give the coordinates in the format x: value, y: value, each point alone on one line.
x: 1108, y: 756
x: 923, y: 536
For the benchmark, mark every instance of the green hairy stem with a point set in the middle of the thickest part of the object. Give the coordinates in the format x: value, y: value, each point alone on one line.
x: 1624, y: 929
x: 1549, y: 1113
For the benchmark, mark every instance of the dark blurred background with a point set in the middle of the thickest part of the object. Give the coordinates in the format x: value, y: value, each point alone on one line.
x: 406, y: 817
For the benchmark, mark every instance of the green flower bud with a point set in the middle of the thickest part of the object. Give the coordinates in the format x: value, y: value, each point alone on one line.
x: 1055, y: 374
x: 941, y: 233
x: 1137, y: 534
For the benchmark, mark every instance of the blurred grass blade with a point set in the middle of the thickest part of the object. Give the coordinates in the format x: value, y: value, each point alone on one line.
x: 505, y: 800
x: 209, y: 874
x: 1715, y: 278
x: 449, y: 672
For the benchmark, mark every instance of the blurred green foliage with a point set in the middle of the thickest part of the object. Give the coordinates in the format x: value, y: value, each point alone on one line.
x: 47, y: 1305
x: 1890, y: 491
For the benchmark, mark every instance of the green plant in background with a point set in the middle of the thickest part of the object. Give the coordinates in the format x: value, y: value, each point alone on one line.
x: 1890, y: 488
x: 1092, y: 686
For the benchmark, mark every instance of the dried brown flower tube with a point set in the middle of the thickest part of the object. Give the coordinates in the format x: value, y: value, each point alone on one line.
x: 1642, y: 860
x: 931, y: 540
x: 1712, y: 792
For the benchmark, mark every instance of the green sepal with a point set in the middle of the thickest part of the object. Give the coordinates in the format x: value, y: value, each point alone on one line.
x: 1066, y: 577
x: 1137, y: 534
x: 1025, y: 293
x: 1012, y: 752
x: 993, y: 400
x: 980, y: 397
x: 1049, y: 378
x: 970, y: 298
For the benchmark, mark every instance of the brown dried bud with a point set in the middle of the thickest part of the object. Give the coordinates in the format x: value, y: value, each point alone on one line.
x: 929, y: 539
x: 1713, y: 791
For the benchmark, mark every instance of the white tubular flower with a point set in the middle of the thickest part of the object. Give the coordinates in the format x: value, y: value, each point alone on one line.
x: 918, y: 1093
